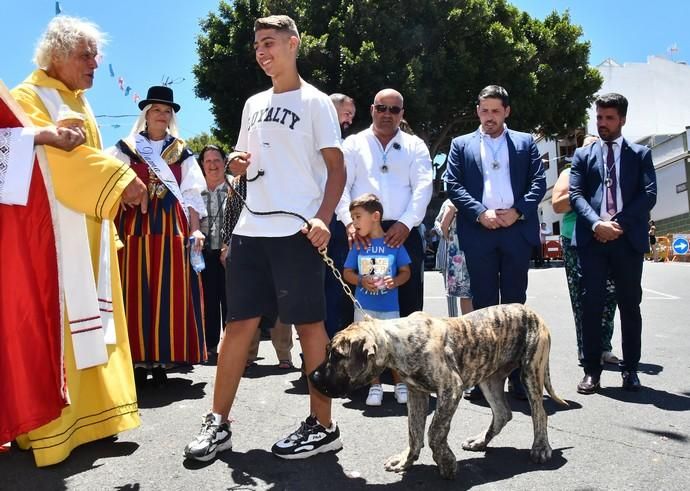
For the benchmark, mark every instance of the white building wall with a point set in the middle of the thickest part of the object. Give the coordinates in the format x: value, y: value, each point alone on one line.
x: 668, y: 150
x: 670, y: 203
x: 657, y: 93
x: 545, y: 210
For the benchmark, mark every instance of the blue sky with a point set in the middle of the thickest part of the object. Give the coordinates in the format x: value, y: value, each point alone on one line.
x: 153, y: 39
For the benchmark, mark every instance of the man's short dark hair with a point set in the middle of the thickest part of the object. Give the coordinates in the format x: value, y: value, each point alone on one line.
x: 281, y: 23
x: 211, y: 147
x: 616, y: 101
x: 494, y: 92
x: 337, y: 99
x: 368, y: 202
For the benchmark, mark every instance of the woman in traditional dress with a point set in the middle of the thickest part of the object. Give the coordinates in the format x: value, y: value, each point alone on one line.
x: 163, y: 294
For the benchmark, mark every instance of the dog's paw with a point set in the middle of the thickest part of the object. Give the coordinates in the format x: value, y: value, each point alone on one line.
x: 475, y: 444
x: 398, y: 462
x: 448, y: 470
x: 446, y: 462
x: 541, y: 454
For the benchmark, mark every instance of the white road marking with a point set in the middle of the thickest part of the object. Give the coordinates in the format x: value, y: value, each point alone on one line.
x: 660, y: 295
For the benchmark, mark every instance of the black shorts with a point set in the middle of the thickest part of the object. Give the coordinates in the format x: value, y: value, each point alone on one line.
x: 269, y: 276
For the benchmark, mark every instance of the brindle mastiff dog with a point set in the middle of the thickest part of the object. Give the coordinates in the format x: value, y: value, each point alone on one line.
x: 445, y: 356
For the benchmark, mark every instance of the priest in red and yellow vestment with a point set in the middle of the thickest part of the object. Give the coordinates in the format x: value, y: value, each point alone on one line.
x: 89, y: 187
x: 32, y: 382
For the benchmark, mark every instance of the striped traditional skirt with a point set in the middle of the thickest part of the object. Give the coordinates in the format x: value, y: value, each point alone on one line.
x: 162, y: 293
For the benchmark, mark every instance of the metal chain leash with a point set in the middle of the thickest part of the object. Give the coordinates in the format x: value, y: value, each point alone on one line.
x: 346, y: 288
x: 323, y: 252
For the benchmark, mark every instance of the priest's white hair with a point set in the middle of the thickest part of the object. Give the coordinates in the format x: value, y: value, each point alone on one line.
x: 62, y: 36
x: 140, y: 123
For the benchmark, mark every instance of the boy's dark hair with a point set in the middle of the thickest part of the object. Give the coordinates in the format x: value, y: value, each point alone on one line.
x: 281, y: 23
x: 616, y: 101
x: 211, y: 147
x: 494, y: 92
x: 368, y: 202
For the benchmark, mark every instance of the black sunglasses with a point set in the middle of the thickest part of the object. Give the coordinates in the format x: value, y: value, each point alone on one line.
x: 382, y: 108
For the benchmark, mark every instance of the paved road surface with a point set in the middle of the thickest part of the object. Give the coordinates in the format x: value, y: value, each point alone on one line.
x: 613, y: 440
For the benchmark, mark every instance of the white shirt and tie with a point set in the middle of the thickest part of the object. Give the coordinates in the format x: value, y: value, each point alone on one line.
x: 617, y: 146
x: 604, y: 148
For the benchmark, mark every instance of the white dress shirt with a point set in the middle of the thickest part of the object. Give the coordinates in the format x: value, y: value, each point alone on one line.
x: 400, y: 175
x: 498, y: 191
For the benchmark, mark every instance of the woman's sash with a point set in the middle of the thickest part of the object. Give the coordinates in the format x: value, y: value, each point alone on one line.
x: 159, y: 167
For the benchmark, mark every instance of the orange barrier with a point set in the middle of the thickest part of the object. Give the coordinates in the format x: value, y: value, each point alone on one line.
x: 663, y: 247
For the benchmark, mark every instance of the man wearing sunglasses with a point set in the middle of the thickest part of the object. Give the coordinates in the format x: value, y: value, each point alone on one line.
x: 396, y: 167
x: 496, y: 180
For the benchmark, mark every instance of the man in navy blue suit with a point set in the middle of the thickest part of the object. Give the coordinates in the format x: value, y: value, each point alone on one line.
x: 612, y: 190
x: 496, y: 180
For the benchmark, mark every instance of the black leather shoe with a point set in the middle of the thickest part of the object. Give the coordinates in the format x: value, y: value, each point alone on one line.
x: 631, y: 382
x: 589, y: 384
x: 159, y: 376
x: 140, y: 376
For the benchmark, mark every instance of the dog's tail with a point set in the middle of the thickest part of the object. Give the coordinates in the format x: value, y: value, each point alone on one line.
x: 549, y: 387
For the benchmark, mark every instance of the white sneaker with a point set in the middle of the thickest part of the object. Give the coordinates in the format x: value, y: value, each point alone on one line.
x: 401, y: 393
x: 214, y: 437
x: 309, y: 439
x: 375, y: 397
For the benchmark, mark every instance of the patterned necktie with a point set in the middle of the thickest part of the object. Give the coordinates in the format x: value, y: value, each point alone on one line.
x: 611, y: 181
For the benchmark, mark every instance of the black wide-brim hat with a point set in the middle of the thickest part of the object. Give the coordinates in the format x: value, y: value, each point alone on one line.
x: 159, y: 94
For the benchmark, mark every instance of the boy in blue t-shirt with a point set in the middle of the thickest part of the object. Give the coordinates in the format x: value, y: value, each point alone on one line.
x: 377, y: 270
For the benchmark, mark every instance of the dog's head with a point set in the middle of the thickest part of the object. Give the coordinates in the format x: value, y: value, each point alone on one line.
x: 350, y: 361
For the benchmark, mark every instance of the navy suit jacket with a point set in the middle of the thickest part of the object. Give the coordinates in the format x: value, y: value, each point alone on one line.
x: 465, y: 185
x: 638, y: 192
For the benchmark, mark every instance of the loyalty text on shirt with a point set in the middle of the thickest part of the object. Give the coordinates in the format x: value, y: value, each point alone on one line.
x: 276, y: 115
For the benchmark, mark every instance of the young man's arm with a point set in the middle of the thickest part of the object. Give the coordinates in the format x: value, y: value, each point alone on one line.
x: 319, y: 234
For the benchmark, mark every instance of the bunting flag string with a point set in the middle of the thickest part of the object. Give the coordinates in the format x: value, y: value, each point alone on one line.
x: 127, y: 89
x: 113, y: 116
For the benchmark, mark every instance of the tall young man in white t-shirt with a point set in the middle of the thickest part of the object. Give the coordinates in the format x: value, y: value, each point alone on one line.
x: 289, y: 148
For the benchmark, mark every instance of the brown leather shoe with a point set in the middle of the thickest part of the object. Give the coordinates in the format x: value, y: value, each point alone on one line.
x: 589, y: 384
